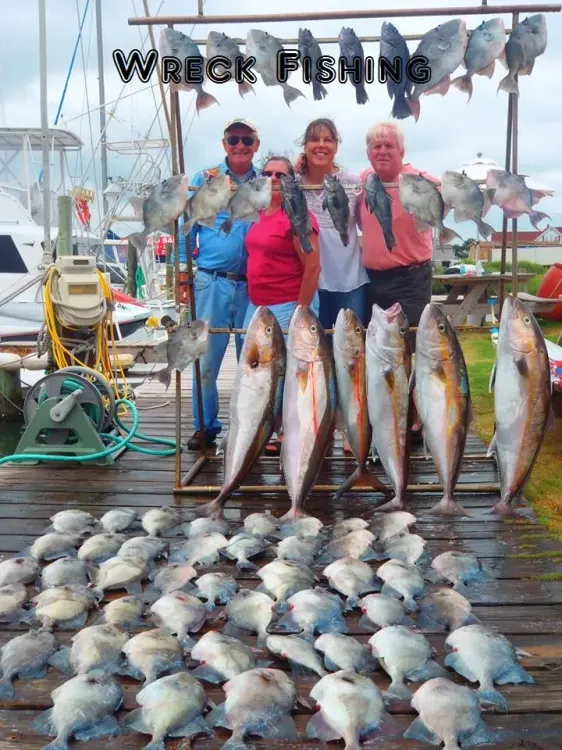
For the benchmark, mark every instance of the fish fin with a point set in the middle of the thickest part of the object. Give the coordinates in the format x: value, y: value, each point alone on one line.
x: 286, y: 624
x: 536, y: 217
x: 429, y: 670
x: 197, y: 726
x: 397, y: 691
x: 138, y: 239
x: 231, y: 629
x: 226, y: 226
x: 522, y: 366
x: 109, y: 727
x: 319, y: 729
x: 489, y: 71
x: 187, y: 226
x: 400, y: 109
x: 299, y: 669
x: 493, y: 697
x: 503, y: 59
x: 43, y: 724
x: 464, y: 84
x: 330, y: 665
x: 217, y: 717
x: 186, y: 642
x: 420, y: 226
x: 324, y: 205
x: 137, y: 203
x: 418, y: 731
x: 204, y: 100
x: 515, y: 675
x: 509, y: 85
x: 365, y: 623
x: 245, y: 88
x: 76, y: 624
x: 281, y: 730
x: 264, y: 663
x: 527, y: 70
x: 449, y: 507
x: 484, y: 229
x: 433, y: 576
x: 412, y: 382
x: 483, y: 735
x: 426, y: 622
x: 61, y: 661
x: 318, y: 91
x: 493, y: 449
x: 440, y: 88
x: 361, y: 96
x: 290, y: 94
x: 492, y: 380
x: 6, y: 687
x: 208, y: 673
x: 221, y: 447
x: 447, y: 235
x: 243, y: 565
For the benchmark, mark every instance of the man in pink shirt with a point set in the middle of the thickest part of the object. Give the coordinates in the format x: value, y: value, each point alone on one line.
x: 404, y: 273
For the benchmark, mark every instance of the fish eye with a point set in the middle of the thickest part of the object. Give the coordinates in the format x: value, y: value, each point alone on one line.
x: 402, y: 330
x: 254, y: 363
x: 527, y: 320
x: 269, y: 330
x: 313, y: 328
x: 442, y: 327
x: 357, y: 330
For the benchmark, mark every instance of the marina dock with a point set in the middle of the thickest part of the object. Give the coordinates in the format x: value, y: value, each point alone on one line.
x: 522, y: 602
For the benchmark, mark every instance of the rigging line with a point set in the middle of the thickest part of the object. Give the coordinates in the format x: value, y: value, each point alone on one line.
x: 111, y: 101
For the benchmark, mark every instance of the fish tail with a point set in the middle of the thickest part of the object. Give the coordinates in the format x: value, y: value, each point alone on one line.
x: 493, y: 697
x: 204, y: 100
x: 447, y: 235
x: 318, y: 91
x: 349, y: 482
x: 389, y: 240
x: 245, y: 88
x: 448, y: 506
x: 484, y: 229
x: 139, y: 241
x: 165, y: 376
x: 158, y: 745
x: 6, y: 687
x: 509, y: 85
x: 213, y: 510
x: 536, y: 217
x: 361, y: 95
x: 57, y: 744
x: 464, y: 83
x: 290, y: 94
x: 226, y: 226
x: 397, y: 503
x: 400, y: 109
x: 243, y: 565
x: 414, y: 105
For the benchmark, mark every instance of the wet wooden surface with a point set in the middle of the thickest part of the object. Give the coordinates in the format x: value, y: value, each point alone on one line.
x: 519, y: 555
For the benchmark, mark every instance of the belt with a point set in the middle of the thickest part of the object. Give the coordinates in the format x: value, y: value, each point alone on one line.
x: 224, y: 274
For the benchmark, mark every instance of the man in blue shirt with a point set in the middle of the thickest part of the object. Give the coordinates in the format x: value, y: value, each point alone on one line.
x: 220, y: 286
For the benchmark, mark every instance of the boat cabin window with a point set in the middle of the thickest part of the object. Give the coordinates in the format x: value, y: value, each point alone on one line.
x: 10, y: 258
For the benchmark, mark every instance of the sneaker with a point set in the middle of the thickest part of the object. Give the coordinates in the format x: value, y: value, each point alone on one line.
x: 194, y: 442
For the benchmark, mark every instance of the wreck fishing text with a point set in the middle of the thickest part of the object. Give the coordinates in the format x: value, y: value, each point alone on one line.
x: 218, y: 69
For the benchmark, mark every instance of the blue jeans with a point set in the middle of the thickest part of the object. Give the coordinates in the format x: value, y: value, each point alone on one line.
x: 282, y: 312
x: 332, y: 302
x: 223, y: 303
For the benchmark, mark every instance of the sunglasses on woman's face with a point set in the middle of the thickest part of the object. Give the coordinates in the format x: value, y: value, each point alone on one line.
x: 247, y: 140
x: 269, y: 173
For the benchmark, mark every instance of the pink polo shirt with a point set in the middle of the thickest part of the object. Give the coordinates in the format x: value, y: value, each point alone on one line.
x: 411, y: 246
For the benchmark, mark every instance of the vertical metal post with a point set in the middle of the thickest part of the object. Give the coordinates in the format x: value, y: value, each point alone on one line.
x: 47, y: 255
x: 504, y: 223
x: 64, y: 239
x: 101, y: 87
x: 169, y: 272
x: 515, y: 168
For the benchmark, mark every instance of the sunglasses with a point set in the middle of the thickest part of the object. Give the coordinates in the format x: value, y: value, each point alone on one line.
x: 247, y: 140
x: 268, y: 173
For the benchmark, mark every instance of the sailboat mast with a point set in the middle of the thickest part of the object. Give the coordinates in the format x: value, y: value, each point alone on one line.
x: 47, y: 256
x: 101, y: 87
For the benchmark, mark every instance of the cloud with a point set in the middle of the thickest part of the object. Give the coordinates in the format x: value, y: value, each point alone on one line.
x: 449, y: 132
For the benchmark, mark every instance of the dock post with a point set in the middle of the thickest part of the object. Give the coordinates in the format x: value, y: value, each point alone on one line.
x: 10, y: 394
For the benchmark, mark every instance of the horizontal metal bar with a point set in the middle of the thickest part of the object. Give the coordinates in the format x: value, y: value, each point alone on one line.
x: 466, y: 457
x: 333, y: 39
x: 330, y: 331
x: 252, y: 489
x: 471, y: 10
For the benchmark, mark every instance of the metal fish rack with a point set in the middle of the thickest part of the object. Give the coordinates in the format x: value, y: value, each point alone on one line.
x: 184, y: 485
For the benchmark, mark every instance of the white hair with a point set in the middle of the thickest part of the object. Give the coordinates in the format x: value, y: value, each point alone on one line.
x: 386, y: 129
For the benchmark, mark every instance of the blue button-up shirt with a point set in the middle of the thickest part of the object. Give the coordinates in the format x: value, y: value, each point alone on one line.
x: 217, y: 250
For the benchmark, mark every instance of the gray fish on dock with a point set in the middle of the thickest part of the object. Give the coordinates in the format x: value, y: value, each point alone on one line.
x: 222, y: 657
x: 98, y: 647
x: 125, y: 612
x: 174, y: 577
x: 349, y: 707
x: 392, y: 46
x: 344, y: 652
x: 449, y: 714
x: 83, y: 708
x: 66, y: 607
x: 208, y: 200
x: 379, y: 203
x: 352, y: 578
x: 380, y: 611
x: 350, y: 49
x: 421, y: 198
x: 247, y: 201
x: 174, y: 43
x: 510, y: 192
x: 309, y: 404
x: 25, y: 656
x: 265, y: 49
x: 469, y: 202
x: 255, y: 403
x: 304, y: 527
x: 401, y: 581
x: 101, y: 547
x: 443, y: 400
x: 309, y: 48
x: 388, y: 360
x: 73, y: 522
x: 404, y: 654
x: 482, y: 655
x: 19, y: 570
x: 12, y: 598
x: 249, y: 611
x: 347, y: 526
x: 392, y: 524
x: 258, y: 702
x: 299, y: 653
x: 157, y: 520
x: 409, y: 548
x: 216, y: 588
x: 336, y: 203
x: 118, y: 519
x: 356, y: 544
x: 184, y: 346
x: 66, y: 570
x: 243, y: 546
x: 180, y: 614
x: 445, y: 608
x: 297, y: 550
x: 522, y: 399
x: 313, y: 611
x: 147, y: 548
x: 121, y: 573
x: 526, y: 42
x: 200, y: 550
x: 170, y: 707
x: 260, y: 524
x: 152, y: 653
x: 444, y: 47
x: 485, y: 45
x: 200, y: 526
x: 55, y: 544
x: 460, y: 568
x: 295, y: 206
x: 351, y: 384
x: 160, y: 208
x: 221, y: 45
x: 283, y: 578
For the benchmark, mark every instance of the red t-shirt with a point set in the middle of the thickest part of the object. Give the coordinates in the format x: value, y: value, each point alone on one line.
x: 274, y: 268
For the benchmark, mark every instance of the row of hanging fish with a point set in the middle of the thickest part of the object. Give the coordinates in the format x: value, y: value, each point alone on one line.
x: 442, y: 49
x: 296, y: 620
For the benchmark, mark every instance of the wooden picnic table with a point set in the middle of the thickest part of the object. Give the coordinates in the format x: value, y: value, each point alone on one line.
x: 468, y: 295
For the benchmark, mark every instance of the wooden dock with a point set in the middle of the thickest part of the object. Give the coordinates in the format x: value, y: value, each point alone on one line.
x: 521, y: 603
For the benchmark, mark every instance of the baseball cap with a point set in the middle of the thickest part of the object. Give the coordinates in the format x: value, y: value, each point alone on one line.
x: 240, y: 121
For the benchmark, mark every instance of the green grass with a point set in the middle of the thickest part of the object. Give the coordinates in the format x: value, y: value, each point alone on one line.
x: 544, y: 490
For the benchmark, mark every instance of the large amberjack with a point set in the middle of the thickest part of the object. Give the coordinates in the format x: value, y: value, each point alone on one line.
x: 522, y: 397
x: 443, y: 400
x: 309, y: 404
x: 255, y: 404
x: 389, y: 367
x: 349, y: 357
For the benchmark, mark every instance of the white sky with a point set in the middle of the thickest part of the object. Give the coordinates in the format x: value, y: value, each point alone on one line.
x: 447, y: 134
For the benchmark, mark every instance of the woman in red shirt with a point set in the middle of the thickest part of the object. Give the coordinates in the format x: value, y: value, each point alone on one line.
x: 280, y: 274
